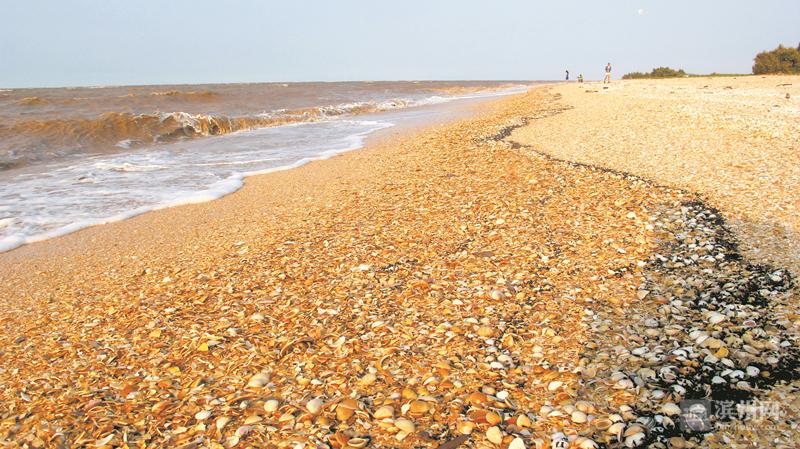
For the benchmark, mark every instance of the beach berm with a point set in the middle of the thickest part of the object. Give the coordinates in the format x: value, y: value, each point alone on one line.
x: 454, y: 286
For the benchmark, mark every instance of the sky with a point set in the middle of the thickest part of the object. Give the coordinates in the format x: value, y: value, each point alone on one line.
x: 117, y: 42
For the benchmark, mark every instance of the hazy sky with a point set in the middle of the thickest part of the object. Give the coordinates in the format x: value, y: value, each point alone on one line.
x: 102, y: 42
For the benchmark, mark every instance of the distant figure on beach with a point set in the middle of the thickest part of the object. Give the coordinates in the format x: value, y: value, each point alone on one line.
x: 567, y: 75
x: 580, y: 78
x: 607, y: 79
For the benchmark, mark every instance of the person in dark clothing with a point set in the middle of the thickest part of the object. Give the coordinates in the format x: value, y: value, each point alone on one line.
x: 567, y: 75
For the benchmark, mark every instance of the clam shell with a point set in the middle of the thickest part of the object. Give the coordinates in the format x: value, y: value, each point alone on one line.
x: 405, y: 425
x: 494, y: 434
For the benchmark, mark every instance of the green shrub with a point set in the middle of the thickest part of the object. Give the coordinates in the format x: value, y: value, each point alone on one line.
x: 780, y: 60
x: 658, y: 72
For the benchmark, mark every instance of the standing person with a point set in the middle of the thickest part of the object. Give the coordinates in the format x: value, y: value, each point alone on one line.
x: 607, y: 79
x: 580, y: 78
x: 567, y: 75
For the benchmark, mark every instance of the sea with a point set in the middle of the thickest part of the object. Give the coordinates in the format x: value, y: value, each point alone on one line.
x: 81, y: 156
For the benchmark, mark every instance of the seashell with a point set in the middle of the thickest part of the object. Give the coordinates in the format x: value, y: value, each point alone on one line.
x: 243, y: 431
x: 271, y: 405
x: 477, y: 415
x: 159, y: 407
x: 633, y: 429
x: 386, y: 411
x: 584, y: 406
x: 103, y: 441
x: 670, y: 409
x: 496, y: 294
x: 634, y: 440
x: 545, y: 410
x: 418, y: 408
x: 466, y: 427
x: 715, y: 317
x: 314, y: 406
x: 559, y: 441
x: 517, y: 443
x: 602, y: 423
x: 368, y: 379
x: 485, y: 331
x: 346, y: 409
x: 502, y: 395
x: 616, y: 429
x: 554, y: 385
x: 623, y: 384
x: 408, y: 393
x: 494, y: 434
x: 259, y: 380
x: 222, y: 421
x: 523, y: 421
x: 584, y: 443
x: 405, y: 425
x: 477, y: 399
x: 578, y: 417
x: 357, y: 442
x: 252, y: 419
x: 493, y: 418
x: 232, y: 441
x: 202, y: 415
x: 677, y: 443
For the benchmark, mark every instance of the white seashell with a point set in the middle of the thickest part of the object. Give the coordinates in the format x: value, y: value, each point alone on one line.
x: 560, y: 441
x: 502, y: 395
x: 616, y: 429
x: 578, y: 417
x: 314, y: 406
x: 102, y: 442
x: 405, y: 425
x: 623, y: 384
x: 259, y: 380
x: 634, y: 440
x: 202, y: 415
x: 222, y: 421
x: 386, y: 411
x: 752, y: 371
x: 554, y: 385
x: 716, y: 317
x: 584, y: 443
x: 545, y: 410
x: 271, y: 405
x: 517, y: 443
x: 670, y: 409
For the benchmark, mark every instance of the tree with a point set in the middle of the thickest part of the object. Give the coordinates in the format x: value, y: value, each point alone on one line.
x: 780, y: 60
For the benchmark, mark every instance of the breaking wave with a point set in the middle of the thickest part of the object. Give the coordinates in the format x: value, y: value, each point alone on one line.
x: 28, y: 141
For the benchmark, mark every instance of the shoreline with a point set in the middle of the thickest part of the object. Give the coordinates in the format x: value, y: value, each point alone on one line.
x: 413, y: 119
x: 437, y: 286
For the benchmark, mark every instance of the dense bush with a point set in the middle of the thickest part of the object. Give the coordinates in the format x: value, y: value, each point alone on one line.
x: 780, y: 60
x: 659, y: 72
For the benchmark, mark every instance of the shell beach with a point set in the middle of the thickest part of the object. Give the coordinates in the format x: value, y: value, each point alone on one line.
x: 517, y: 279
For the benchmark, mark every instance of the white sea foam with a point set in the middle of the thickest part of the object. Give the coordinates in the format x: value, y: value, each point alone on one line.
x: 102, y: 190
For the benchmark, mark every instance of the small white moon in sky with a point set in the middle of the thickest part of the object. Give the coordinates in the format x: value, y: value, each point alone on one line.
x: 641, y: 12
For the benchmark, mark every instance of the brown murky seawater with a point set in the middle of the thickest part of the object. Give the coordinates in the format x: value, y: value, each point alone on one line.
x: 42, y: 124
